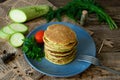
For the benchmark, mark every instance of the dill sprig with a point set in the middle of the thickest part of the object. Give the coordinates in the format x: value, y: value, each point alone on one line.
x: 74, y: 11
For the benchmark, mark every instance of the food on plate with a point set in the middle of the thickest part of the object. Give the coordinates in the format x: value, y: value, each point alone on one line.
x: 59, y: 37
x: 60, y: 60
x: 31, y: 49
x: 39, y: 36
x: 59, y: 44
x: 24, y: 14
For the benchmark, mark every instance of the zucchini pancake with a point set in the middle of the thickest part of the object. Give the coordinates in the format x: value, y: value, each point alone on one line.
x: 60, y: 44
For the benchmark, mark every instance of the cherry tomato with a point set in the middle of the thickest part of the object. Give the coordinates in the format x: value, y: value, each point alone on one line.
x: 39, y: 36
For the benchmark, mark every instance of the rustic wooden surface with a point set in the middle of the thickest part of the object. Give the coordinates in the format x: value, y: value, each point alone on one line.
x: 109, y: 56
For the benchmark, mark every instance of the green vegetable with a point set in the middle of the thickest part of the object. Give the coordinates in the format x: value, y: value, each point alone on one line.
x: 74, y: 10
x: 16, y: 39
x: 4, y: 35
x: 27, y: 13
x: 14, y: 33
x: 32, y: 49
x: 17, y: 27
x: 8, y: 30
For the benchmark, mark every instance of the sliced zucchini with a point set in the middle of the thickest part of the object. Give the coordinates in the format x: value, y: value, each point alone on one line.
x: 17, y: 39
x: 8, y: 30
x: 17, y: 27
x: 4, y: 35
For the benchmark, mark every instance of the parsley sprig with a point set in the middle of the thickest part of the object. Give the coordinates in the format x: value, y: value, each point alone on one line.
x: 74, y: 11
x: 32, y: 49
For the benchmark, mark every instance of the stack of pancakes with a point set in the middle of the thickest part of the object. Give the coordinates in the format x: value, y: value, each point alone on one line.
x: 60, y: 44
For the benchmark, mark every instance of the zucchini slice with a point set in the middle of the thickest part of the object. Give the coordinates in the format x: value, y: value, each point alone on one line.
x: 8, y: 30
x: 16, y: 39
x: 4, y: 35
x: 17, y: 27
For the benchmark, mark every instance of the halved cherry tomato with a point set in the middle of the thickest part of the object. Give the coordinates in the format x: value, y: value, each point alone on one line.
x: 39, y: 36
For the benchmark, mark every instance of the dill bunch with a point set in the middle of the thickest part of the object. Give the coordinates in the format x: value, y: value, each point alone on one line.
x: 74, y: 11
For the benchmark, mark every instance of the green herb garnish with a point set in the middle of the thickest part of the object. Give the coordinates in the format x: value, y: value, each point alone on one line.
x: 74, y: 11
x: 32, y: 49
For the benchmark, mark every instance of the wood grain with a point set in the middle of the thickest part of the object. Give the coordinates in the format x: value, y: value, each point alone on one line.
x: 109, y: 56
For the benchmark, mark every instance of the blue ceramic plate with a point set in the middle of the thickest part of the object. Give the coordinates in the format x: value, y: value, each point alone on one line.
x: 85, y: 46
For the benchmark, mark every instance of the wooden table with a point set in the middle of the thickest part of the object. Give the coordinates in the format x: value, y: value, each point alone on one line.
x: 109, y: 54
